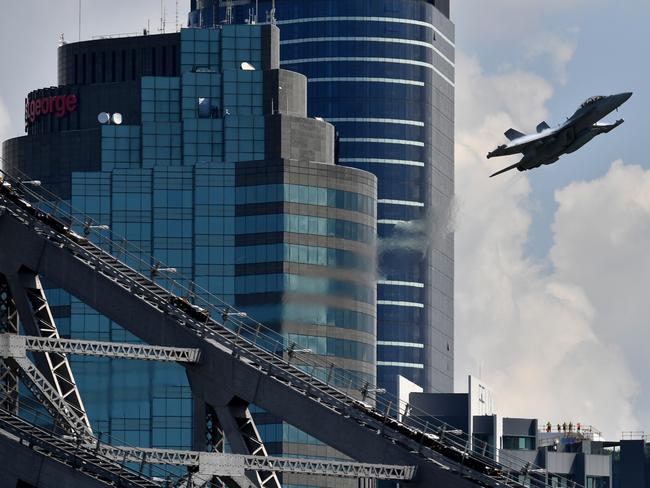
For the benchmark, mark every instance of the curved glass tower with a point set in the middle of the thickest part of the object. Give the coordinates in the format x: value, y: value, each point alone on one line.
x: 383, y: 73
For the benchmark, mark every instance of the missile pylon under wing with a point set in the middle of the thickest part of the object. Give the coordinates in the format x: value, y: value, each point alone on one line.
x: 547, y: 145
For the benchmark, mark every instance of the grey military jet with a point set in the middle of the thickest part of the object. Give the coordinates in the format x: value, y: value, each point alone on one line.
x: 547, y: 145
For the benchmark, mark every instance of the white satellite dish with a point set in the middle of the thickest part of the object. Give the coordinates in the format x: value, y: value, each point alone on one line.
x: 104, y: 118
x: 247, y: 66
x: 117, y: 118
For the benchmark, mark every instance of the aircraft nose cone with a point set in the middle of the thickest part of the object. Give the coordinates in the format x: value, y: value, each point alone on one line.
x: 624, y: 97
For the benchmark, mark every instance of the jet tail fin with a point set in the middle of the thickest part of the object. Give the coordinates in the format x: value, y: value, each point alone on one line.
x: 542, y: 127
x: 504, y: 170
x: 512, y: 134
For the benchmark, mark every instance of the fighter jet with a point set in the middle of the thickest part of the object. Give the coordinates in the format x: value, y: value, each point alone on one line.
x: 547, y: 145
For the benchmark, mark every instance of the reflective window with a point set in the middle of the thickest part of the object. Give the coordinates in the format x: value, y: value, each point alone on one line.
x: 328, y: 346
x: 308, y: 195
x: 304, y: 224
x: 320, y: 256
x: 313, y: 314
x: 291, y: 283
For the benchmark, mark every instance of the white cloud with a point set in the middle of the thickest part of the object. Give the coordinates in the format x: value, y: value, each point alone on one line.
x: 558, y: 49
x: 515, y: 20
x: 537, y: 337
x: 483, y: 100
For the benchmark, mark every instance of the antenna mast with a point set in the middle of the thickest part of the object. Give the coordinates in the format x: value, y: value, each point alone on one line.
x: 79, y: 20
x: 228, y: 18
x: 272, y: 13
x: 162, y: 17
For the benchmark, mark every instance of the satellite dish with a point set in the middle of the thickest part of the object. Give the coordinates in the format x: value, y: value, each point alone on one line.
x: 247, y: 66
x: 117, y: 118
x: 103, y: 118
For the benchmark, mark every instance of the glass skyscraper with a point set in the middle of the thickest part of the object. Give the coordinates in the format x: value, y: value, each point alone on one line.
x: 217, y: 172
x: 382, y: 72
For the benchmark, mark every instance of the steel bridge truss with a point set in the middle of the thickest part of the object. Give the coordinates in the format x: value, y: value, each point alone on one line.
x: 233, y: 371
x: 206, y: 465
x: 28, y: 294
x: 113, y: 350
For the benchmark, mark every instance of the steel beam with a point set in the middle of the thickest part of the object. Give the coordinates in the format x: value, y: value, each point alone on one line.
x: 115, y: 350
x: 240, y: 430
x: 78, y: 465
x: 8, y: 325
x: 48, y: 396
x: 37, y: 320
x: 220, y: 464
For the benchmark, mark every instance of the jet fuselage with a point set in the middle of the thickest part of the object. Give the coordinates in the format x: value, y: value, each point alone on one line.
x: 547, y: 145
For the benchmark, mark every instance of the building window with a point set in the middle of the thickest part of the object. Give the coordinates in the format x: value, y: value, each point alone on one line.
x: 597, y: 482
x: 518, y: 442
x: 557, y: 481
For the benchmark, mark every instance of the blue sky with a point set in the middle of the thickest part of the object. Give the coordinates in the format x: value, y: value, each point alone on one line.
x: 607, y: 40
x: 552, y: 268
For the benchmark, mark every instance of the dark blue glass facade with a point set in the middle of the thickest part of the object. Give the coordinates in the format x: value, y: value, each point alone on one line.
x: 383, y: 73
x: 200, y: 178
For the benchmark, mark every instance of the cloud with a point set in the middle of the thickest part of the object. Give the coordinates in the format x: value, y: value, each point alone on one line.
x: 559, y: 51
x: 483, y: 101
x: 602, y: 237
x: 514, y: 20
x: 538, y: 336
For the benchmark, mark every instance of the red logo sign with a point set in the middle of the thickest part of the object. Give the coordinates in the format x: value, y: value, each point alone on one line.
x: 59, y: 105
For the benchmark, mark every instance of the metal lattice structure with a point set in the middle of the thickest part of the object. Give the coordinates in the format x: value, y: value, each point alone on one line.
x: 37, y: 320
x: 79, y: 457
x: 49, y: 397
x: 237, y: 368
x: 219, y: 464
x: 8, y: 325
x: 207, y: 465
x: 111, y: 349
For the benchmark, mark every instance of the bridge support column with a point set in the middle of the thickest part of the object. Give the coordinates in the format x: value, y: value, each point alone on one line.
x: 8, y: 325
x: 36, y: 318
x: 244, y: 438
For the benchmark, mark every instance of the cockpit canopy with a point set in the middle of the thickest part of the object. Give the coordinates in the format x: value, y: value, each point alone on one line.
x: 591, y: 100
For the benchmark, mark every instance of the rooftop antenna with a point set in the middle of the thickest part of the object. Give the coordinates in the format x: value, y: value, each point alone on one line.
x: 228, y: 19
x: 80, y: 20
x: 162, y: 16
x: 176, y: 25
